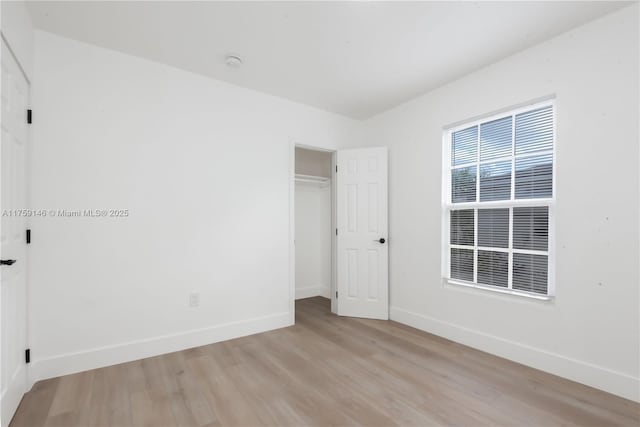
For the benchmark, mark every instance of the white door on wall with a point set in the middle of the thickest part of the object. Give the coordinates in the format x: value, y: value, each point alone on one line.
x: 13, y: 314
x: 362, y: 253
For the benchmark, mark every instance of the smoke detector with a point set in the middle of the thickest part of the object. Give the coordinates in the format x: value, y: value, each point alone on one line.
x: 233, y: 61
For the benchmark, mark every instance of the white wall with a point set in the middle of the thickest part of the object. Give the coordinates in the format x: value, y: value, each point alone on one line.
x: 313, y: 240
x: 204, y: 169
x: 17, y: 30
x: 205, y: 178
x: 590, y: 332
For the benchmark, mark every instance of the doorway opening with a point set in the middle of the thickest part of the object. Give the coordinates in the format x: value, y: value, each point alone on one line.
x: 314, y: 235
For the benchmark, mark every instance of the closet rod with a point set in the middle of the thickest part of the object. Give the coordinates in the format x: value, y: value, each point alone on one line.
x: 312, y: 179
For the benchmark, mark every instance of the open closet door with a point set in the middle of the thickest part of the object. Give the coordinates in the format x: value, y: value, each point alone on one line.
x: 362, y: 253
x: 13, y: 247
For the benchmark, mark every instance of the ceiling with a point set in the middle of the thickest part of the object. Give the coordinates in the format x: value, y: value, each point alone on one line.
x: 350, y: 58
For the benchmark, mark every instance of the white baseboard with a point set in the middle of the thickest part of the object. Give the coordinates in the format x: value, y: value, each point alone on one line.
x: 11, y: 395
x: 313, y: 291
x: 70, y: 363
x: 611, y: 381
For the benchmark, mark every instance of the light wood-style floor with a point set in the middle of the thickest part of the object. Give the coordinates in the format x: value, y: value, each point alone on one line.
x: 324, y: 371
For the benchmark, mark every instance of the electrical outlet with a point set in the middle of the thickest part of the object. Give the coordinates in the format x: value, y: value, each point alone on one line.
x: 194, y: 299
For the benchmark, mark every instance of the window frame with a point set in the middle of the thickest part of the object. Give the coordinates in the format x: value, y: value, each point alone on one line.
x: 448, y: 205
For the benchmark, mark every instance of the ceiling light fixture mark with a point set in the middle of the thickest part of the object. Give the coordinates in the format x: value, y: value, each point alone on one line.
x: 233, y: 61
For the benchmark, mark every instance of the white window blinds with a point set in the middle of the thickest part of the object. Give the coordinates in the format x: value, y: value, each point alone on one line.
x: 500, y: 201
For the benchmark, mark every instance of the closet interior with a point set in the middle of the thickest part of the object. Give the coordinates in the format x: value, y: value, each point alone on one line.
x: 313, y: 222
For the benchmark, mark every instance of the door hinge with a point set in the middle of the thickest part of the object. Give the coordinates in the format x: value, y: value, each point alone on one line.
x: 29, y: 116
x: 336, y: 168
x: 28, y: 236
x: 336, y: 231
x: 336, y: 294
x: 27, y: 356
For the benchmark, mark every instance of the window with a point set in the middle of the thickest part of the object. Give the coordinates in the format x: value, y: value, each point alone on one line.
x: 499, y: 202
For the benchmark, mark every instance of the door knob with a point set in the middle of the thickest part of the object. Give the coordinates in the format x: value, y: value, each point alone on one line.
x: 382, y: 240
x: 7, y: 261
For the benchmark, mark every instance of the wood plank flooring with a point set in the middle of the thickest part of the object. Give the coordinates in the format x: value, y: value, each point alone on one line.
x: 324, y: 371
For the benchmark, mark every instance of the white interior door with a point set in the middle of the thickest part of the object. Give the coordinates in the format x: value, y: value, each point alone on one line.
x: 13, y: 314
x: 362, y: 249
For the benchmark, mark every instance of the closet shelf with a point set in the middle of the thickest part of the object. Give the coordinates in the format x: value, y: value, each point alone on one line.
x: 312, y: 179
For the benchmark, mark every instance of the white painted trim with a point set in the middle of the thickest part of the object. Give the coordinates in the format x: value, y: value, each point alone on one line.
x: 606, y: 379
x: 496, y: 204
x: 292, y: 231
x: 313, y: 291
x: 111, y: 355
x: 334, y: 240
x: 15, y: 58
x: 506, y: 291
x: 510, y: 204
x: 503, y: 112
x: 12, y: 395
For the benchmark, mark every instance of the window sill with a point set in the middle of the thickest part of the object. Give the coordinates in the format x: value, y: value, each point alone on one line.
x: 498, y: 290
